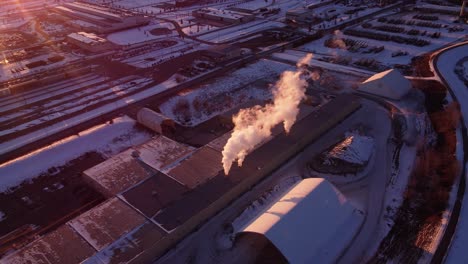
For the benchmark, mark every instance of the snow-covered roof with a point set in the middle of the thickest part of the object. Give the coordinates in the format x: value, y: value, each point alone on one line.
x: 354, y: 149
x: 391, y: 84
x: 88, y: 38
x: 312, y: 223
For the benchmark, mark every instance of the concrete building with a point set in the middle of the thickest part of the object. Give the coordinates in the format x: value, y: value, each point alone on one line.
x: 160, y: 193
x: 390, y: 84
x: 227, y: 16
x: 300, y: 15
x: 223, y: 52
x: 98, y: 19
x: 312, y: 223
x: 134, y: 165
x: 90, y: 42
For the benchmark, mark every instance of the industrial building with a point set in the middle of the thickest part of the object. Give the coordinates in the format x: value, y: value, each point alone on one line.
x: 300, y: 15
x: 312, y: 223
x: 163, y: 190
x: 90, y: 42
x: 137, y: 164
x: 98, y: 19
x: 227, y: 16
x: 222, y: 52
x: 390, y: 84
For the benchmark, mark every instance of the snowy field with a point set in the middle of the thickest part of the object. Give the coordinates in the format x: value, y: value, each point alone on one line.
x: 446, y: 64
x: 235, y: 32
x: 232, y: 90
x: 107, y: 139
x: 141, y: 34
x: 151, y: 56
x: 389, y: 56
x: 69, y: 104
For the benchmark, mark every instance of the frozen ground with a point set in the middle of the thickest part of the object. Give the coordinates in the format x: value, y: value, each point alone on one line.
x: 235, y: 32
x: 294, y: 55
x: 385, y: 57
x: 240, y: 81
x: 355, y: 149
x: 72, y: 103
x: 141, y: 34
x: 108, y: 139
x: 446, y: 65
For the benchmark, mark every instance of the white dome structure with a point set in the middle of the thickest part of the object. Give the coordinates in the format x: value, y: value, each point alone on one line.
x: 390, y: 84
x: 312, y: 223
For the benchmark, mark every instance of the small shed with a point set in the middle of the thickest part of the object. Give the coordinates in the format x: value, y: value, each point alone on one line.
x: 156, y: 121
x: 390, y: 84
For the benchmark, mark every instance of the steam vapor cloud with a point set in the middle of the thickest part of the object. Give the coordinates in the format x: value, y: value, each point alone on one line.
x: 253, y: 125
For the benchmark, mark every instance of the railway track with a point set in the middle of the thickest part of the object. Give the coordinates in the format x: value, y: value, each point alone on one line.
x: 78, y: 100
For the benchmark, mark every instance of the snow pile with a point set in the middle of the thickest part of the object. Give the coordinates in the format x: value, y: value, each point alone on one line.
x: 253, y: 125
x: 108, y: 139
x: 355, y: 149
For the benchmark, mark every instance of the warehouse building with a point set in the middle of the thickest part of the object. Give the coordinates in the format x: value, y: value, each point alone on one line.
x: 222, y: 53
x: 98, y: 19
x: 390, y: 84
x: 157, y: 195
x: 311, y: 223
x: 300, y: 15
x: 121, y: 172
x: 90, y: 42
x: 227, y: 16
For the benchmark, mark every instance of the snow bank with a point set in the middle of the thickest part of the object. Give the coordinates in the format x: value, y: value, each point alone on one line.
x: 108, y: 139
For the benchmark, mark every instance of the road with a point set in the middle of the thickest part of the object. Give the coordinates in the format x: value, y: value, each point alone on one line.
x: 443, y: 63
x: 376, y: 184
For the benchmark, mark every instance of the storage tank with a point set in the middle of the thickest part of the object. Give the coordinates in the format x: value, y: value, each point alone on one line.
x: 155, y: 121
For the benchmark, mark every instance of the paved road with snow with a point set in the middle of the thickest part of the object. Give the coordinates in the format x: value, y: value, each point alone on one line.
x: 445, y: 66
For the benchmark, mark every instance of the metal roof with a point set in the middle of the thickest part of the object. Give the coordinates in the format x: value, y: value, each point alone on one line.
x: 312, y: 223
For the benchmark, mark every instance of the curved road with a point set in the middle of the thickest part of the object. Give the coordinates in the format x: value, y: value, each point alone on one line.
x: 443, y: 63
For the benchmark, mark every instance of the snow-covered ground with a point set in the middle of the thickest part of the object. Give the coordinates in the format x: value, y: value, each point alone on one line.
x: 294, y: 55
x: 237, y: 81
x: 446, y: 65
x: 141, y: 34
x: 69, y: 104
x: 355, y: 149
x: 5, y: 147
x: 107, y: 139
x: 385, y: 57
x: 235, y: 32
x: 161, y: 54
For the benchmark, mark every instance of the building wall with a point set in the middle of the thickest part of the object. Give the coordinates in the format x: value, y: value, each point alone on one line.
x: 93, y: 48
x: 216, y: 17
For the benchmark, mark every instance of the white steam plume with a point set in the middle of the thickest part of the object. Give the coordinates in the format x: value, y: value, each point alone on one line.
x: 254, y: 125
